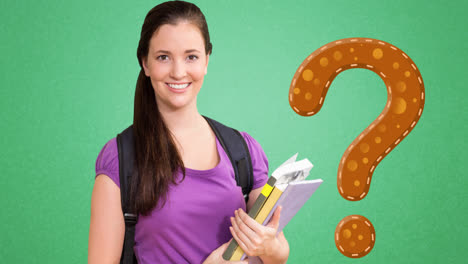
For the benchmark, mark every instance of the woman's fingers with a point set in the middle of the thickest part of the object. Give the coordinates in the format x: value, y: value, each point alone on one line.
x: 249, y: 222
x: 239, y: 235
x: 239, y: 241
x: 254, y: 238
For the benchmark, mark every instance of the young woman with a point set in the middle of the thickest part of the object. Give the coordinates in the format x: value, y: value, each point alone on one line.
x: 188, y: 202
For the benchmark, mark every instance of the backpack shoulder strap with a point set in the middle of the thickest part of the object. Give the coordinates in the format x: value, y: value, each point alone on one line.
x: 236, y: 148
x: 127, y: 170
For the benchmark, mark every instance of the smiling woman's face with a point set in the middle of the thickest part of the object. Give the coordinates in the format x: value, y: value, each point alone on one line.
x: 176, y: 64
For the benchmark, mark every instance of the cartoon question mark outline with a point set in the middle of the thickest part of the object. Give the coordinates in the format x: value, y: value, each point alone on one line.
x: 355, y: 234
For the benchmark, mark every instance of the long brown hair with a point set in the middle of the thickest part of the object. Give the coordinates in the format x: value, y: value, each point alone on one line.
x: 157, y: 158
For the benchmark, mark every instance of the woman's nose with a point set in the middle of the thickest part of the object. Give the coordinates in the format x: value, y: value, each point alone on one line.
x: 178, y: 70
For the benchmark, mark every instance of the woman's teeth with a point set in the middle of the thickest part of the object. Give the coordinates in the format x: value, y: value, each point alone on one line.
x: 178, y: 86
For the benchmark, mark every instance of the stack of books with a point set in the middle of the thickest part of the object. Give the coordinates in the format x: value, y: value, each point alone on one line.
x: 286, y: 187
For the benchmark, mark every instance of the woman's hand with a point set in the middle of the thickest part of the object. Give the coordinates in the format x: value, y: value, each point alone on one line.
x: 217, y: 256
x: 258, y: 240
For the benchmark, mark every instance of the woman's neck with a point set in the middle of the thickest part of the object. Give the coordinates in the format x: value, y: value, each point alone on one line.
x: 182, y: 121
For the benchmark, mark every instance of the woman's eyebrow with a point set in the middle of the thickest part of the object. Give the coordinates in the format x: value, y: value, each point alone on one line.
x: 162, y: 51
x: 191, y: 50
x: 168, y: 52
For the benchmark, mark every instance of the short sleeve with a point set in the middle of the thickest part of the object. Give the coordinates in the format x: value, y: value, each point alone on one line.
x: 107, y: 161
x: 259, y: 161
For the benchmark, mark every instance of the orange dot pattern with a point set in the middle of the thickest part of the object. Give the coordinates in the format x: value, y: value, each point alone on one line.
x: 405, y: 102
x: 355, y: 236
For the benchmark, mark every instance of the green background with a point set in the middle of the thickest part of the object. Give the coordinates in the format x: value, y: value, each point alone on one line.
x: 68, y: 74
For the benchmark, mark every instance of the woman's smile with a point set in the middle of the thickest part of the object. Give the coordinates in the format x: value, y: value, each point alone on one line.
x: 178, y: 87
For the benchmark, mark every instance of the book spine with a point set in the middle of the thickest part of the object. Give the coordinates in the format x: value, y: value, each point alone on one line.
x: 253, y: 212
x: 237, y: 254
x: 269, y: 205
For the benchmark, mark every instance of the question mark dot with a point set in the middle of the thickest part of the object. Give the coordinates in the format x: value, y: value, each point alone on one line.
x: 365, y: 160
x: 358, y: 242
x: 352, y: 165
x: 407, y: 74
x: 356, y: 183
x: 308, y: 75
x: 364, y: 147
x: 400, y: 106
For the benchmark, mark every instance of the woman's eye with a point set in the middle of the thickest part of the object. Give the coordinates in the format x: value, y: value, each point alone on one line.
x: 192, y: 57
x: 162, y: 57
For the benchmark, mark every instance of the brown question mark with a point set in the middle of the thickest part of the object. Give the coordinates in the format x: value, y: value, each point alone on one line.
x: 355, y: 234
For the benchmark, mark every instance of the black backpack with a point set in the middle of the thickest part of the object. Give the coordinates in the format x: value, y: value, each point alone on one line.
x: 233, y: 144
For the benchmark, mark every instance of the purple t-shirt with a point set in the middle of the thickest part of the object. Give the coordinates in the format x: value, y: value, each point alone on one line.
x: 196, y: 217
